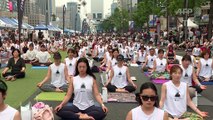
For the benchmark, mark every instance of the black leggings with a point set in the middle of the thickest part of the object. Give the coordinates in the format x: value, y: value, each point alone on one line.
x: 16, y: 75
x: 39, y: 64
x: 112, y: 88
x: 69, y: 112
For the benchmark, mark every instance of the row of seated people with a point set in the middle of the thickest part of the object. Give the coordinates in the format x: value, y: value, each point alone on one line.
x: 83, y: 85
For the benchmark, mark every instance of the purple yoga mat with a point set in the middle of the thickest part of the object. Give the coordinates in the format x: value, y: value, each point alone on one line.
x: 146, y: 74
x: 159, y: 81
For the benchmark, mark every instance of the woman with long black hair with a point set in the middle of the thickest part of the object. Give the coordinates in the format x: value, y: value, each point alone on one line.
x: 85, y: 89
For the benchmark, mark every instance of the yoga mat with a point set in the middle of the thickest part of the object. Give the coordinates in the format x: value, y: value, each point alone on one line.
x: 3, y: 65
x: 207, y: 83
x: 146, y: 74
x: 39, y: 67
x: 133, y: 65
x: 50, y: 96
x: 159, y: 81
x: 121, y: 97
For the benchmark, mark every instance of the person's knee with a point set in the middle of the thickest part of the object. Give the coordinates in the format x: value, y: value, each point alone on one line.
x: 110, y: 89
x: 198, y: 89
x: 130, y: 89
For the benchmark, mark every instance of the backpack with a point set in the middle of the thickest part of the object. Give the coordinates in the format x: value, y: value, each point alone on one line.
x: 40, y: 111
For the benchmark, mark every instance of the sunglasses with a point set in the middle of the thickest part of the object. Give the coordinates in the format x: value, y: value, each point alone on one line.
x: 146, y: 98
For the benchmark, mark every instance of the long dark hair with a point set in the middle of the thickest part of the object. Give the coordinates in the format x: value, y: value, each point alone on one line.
x: 144, y: 86
x: 88, y: 71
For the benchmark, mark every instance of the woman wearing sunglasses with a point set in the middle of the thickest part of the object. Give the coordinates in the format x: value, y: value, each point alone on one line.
x: 148, y: 109
x: 175, y: 98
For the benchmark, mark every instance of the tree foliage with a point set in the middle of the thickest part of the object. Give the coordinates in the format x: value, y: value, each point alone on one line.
x: 146, y: 8
x: 119, y: 19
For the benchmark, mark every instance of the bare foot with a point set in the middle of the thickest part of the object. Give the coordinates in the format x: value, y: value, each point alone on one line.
x: 121, y: 90
x: 58, y: 90
x: 85, y: 117
x: 207, y: 79
x: 8, y: 78
x: 13, y: 79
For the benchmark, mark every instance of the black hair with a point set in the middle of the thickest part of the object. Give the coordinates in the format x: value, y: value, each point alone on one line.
x: 3, y: 89
x: 71, y: 50
x: 144, y: 86
x: 19, y: 52
x: 88, y: 71
x: 187, y: 58
x: 115, y: 49
x: 160, y: 51
x: 31, y: 45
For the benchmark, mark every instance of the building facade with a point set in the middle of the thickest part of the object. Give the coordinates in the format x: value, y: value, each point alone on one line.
x: 47, y: 8
x: 97, y: 9
x: 59, y: 15
x: 74, y: 19
x: 33, y: 12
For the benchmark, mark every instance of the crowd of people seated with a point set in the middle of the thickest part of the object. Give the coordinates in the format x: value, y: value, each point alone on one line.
x: 74, y: 76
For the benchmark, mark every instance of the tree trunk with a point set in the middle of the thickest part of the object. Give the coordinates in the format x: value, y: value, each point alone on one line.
x: 210, y: 20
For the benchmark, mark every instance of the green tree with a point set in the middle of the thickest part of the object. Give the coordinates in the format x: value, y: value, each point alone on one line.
x: 119, y: 19
x: 144, y: 9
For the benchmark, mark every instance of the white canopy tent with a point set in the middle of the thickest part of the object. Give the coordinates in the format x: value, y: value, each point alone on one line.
x: 3, y: 24
x: 190, y: 24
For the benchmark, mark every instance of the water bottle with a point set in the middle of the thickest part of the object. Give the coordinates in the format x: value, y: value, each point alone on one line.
x: 104, y: 94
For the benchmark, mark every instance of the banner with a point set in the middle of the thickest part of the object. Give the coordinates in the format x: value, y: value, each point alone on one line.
x: 131, y: 25
x: 20, y: 4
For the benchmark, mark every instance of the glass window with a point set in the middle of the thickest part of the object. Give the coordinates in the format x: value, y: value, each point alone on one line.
x: 94, y: 16
x: 99, y: 15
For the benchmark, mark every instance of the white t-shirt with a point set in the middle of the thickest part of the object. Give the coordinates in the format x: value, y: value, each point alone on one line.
x: 70, y: 63
x: 206, y: 68
x: 43, y: 57
x: 30, y: 54
x: 58, y: 75
x: 161, y: 64
x: 83, y: 91
x: 138, y: 114
x: 187, y: 75
x: 8, y: 113
x: 119, y: 79
x: 151, y: 59
x: 173, y: 100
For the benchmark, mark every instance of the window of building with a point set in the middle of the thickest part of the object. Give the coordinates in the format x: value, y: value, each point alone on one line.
x: 99, y: 15
x: 94, y: 16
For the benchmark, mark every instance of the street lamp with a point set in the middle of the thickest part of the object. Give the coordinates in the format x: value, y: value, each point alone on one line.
x: 64, y: 12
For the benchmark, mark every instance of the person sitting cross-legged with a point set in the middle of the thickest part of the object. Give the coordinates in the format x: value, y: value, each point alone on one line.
x: 17, y: 66
x: 120, y: 78
x: 84, y: 87
x: 58, y: 74
x: 42, y: 58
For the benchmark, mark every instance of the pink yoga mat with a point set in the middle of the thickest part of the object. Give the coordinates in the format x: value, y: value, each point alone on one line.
x: 157, y: 81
